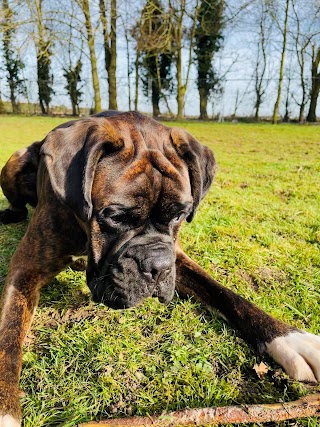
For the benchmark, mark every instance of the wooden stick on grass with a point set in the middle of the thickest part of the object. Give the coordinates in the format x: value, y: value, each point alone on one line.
x: 305, y: 407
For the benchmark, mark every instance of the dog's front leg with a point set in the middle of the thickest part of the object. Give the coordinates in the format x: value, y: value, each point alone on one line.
x: 296, y: 351
x: 19, y: 301
x: 41, y: 254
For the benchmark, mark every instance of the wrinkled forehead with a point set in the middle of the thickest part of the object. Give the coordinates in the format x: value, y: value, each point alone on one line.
x: 146, y: 178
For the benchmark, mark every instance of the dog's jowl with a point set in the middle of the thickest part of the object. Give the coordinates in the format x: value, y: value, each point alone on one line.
x: 116, y: 188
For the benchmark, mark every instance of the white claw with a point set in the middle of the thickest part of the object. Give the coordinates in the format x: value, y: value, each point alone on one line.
x: 299, y: 354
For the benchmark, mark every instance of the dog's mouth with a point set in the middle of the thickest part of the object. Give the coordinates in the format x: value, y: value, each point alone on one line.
x: 129, y: 280
x: 115, y: 293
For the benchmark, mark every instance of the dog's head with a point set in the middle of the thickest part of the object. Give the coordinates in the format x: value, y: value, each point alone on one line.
x: 132, y: 181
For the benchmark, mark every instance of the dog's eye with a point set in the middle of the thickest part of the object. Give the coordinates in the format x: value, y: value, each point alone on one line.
x: 178, y: 218
x: 117, y: 219
x: 110, y: 218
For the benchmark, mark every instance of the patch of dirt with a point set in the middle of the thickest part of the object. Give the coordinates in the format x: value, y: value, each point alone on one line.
x: 271, y: 274
x: 285, y: 195
x: 251, y: 280
x: 244, y: 185
x: 52, y: 318
x: 218, y: 271
x: 263, y: 276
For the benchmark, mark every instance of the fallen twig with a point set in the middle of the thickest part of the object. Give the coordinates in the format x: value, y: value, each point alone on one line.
x: 305, y: 407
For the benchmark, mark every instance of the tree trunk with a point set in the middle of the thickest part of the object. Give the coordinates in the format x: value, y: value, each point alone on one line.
x: 301, y: 113
x: 74, y: 109
x: 181, y: 90
x: 283, y: 54
x: 207, y: 36
x: 110, y: 49
x: 2, y: 108
x: 303, y: 85
x: 259, y: 87
x: 93, y: 58
x: 112, y: 79
x: 15, y: 107
x: 257, y: 106
x: 180, y: 101
x: 42, y: 51
x: 315, y: 86
x: 182, y: 85
x: 155, y: 99
x: 43, y: 109
x: 203, y: 103
x: 136, y: 98
x: 311, y: 117
x: 300, y: 52
x: 11, y: 64
x: 128, y: 68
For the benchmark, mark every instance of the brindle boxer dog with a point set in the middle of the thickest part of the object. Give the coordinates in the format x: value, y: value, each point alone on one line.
x: 117, y: 186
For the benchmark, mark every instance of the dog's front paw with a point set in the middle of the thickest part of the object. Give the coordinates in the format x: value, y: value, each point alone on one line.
x: 8, y: 421
x: 10, y: 414
x: 9, y: 216
x: 298, y: 353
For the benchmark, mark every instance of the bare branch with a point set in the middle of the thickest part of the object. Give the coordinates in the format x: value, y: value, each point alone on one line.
x: 305, y: 407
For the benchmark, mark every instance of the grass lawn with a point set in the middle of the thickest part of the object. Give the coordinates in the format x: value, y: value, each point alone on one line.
x: 257, y: 232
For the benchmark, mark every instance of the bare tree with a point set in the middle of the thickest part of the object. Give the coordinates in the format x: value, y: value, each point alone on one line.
x: 304, y: 31
x: 315, y: 84
x: 70, y: 50
x: 208, y: 41
x: 126, y: 23
x: 153, y: 34
x: 261, y: 59
x: 43, y: 39
x: 301, y: 44
x: 180, y: 11
x: 72, y: 73
x: 110, y: 48
x: 288, y: 93
x: 85, y: 7
x: 13, y: 63
x: 284, y: 31
x: 136, y: 87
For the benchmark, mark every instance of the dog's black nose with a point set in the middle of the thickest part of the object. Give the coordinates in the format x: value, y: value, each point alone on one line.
x: 155, y: 265
x: 152, y: 259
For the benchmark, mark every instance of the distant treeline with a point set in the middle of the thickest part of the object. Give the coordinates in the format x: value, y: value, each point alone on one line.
x: 158, y: 49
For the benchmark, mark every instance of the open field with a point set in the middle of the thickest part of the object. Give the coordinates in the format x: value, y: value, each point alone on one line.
x: 257, y: 232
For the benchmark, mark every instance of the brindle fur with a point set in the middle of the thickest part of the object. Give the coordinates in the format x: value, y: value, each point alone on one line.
x: 82, y: 167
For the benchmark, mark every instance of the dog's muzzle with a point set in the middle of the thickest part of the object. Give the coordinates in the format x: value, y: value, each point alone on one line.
x: 142, y: 269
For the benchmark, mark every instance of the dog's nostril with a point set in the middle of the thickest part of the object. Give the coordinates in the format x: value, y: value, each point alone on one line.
x: 159, y: 274
x: 154, y: 273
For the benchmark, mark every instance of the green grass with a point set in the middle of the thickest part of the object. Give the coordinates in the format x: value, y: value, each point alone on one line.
x: 257, y: 232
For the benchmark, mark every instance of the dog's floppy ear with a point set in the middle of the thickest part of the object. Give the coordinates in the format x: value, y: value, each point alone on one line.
x: 71, y: 153
x: 200, y: 161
